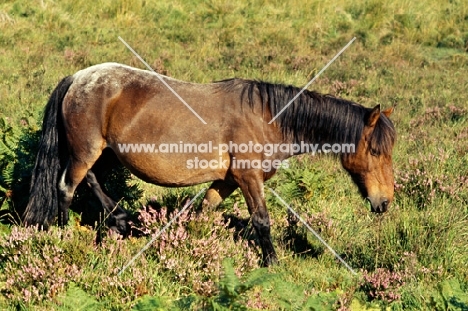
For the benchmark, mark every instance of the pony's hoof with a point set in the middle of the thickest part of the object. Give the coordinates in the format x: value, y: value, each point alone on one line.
x: 271, y: 260
x: 119, y: 224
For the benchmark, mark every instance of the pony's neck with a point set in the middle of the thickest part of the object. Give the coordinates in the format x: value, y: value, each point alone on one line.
x: 314, y: 118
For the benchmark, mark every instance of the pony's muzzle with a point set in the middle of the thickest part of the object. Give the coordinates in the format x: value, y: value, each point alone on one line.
x: 378, y: 206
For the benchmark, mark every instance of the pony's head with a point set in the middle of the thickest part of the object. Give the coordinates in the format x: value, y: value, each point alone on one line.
x: 370, y: 166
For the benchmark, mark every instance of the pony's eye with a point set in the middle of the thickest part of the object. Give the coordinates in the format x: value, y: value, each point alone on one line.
x: 374, y: 152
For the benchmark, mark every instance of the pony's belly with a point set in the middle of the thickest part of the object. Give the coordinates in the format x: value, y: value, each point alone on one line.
x: 176, y: 170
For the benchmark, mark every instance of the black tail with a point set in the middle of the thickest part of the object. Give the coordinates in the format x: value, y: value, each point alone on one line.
x: 50, y: 162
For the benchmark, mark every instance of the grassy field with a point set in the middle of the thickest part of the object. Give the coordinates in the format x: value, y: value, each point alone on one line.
x: 408, y: 54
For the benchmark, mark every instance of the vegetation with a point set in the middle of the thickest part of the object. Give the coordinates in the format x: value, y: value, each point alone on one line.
x: 410, y: 54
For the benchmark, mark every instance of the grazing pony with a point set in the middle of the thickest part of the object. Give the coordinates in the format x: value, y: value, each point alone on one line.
x: 109, y: 107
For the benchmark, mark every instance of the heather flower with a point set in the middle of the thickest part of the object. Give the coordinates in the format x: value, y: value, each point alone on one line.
x: 201, y: 238
x: 421, y: 181
x: 35, y: 271
x: 383, y: 284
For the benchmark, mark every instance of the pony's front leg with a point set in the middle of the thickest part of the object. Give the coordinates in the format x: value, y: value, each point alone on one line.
x: 251, y: 184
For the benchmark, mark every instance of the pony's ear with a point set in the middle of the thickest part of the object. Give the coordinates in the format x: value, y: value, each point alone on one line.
x: 373, y: 116
x: 387, y: 112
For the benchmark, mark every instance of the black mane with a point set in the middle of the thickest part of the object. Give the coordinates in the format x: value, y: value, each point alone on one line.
x: 314, y: 117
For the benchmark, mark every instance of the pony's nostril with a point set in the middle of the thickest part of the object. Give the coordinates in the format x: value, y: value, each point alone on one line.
x: 384, y: 205
x: 379, y: 206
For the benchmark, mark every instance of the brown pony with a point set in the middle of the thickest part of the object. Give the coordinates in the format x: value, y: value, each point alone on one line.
x: 109, y: 106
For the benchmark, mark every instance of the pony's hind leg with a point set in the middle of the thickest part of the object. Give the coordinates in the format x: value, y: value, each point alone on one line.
x: 218, y: 191
x: 80, y: 161
x: 72, y: 175
x: 117, y: 217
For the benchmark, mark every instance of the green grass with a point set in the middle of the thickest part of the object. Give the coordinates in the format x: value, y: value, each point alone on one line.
x: 409, y: 54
